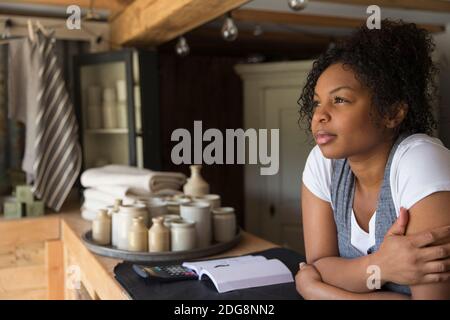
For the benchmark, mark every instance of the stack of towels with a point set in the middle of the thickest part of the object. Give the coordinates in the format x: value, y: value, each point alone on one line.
x: 105, y: 184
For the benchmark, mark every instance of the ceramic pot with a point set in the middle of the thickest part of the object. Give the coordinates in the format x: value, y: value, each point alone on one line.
x: 182, y: 235
x: 114, y: 221
x: 224, y: 224
x: 138, y: 237
x: 94, y: 96
x: 122, y: 115
x: 212, y: 199
x: 125, y: 219
x: 158, y: 236
x: 173, y: 206
x: 109, y: 116
x: 121, y: 88
x: 94, y: 117
x: 196, y: 186
x: 169, y: 218
x: 101, y: 228
x: 156, y: 208
x: 200, y: 213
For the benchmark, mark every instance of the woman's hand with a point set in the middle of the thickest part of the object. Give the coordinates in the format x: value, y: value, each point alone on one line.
x: 305, y: 280
x: 414, y: 259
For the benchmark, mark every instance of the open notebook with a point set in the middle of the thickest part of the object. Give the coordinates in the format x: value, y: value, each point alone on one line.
x: 242, y: 272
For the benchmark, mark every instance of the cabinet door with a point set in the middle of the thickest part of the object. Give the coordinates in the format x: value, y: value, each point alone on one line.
x: 104, y: 100
x: 283, y: 224
x: 147, y: 111
x: 272, y: 202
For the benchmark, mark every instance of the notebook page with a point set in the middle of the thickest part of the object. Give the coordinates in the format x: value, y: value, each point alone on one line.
x: 248, y: 275
x: 198, y: 266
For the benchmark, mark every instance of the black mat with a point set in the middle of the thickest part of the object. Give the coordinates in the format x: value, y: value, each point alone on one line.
x: 145, y: 289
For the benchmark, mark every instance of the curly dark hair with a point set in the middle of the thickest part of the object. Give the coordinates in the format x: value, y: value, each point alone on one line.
x: 394, y: 63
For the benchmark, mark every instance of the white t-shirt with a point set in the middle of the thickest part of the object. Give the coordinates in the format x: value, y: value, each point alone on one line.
x: 420, y: 167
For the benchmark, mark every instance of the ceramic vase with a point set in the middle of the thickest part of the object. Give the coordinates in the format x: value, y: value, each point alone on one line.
x: 182, y: 235
x: 125, y: 219
x: 224, y: 224
x: 138, y: 237
x: 101, y: 228
x: 200, y: 213
x: 196, y: 186
x: 158, y: 236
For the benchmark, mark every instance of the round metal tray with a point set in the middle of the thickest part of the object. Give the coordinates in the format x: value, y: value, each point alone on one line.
x: 112, y: 252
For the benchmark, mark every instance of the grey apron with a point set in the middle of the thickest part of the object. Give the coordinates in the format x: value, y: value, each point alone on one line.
x: 342, y: 192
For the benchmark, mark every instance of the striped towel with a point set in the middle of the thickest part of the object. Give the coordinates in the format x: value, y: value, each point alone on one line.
x: 53, y: 154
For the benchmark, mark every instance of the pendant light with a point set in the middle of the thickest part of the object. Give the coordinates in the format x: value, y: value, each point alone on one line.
x: 297, y: 5
x: 182, y: 47
x: 229, y: 29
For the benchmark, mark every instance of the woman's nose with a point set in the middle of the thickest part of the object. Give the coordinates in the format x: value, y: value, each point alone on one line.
x: 321, y: 114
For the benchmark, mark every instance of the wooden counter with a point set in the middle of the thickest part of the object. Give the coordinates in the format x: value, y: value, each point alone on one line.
x: 49, y: 259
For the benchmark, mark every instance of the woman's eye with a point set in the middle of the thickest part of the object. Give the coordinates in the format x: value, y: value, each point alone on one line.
x: 315, y: 104
x: 339, y: 100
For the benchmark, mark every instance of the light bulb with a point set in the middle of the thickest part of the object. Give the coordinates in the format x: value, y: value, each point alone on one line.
x: 182, y: 47
x: 258, y: 31
x: 229, y: 30
x: 297, y: 4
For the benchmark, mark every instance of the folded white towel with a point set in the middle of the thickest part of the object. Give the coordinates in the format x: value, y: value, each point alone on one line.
x: 124, y: 192
x: 95, y: 205
x: 136, y: 178
x: 88, y: 214
x: 93, y: 194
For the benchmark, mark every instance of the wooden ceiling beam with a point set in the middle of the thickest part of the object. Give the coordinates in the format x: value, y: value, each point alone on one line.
x: 287, y: 18
x: 113, y: 6
x: 157, y: 21
x: 97, y: 4
x: 422, y: 5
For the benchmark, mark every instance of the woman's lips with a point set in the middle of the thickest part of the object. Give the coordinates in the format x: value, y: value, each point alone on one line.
x: 323, y: 138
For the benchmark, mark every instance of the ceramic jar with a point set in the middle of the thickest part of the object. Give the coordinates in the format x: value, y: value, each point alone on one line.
x: 156, y: 208
x: 169, y: 218
x: 212, y: 199
x: 101, y: 228
x: 158, y: 236
x: 94, y: 117
x: 121, y: 88
x: 114, y: 221
x: 200, y: 213
x: 224, y: 224
x: 182, y: 197
x: 196, y: 185
x: 122, y: 115
x: 109, y: 108
x: 138, y: 236
x: 182, y: 235
x: 94, y: 95
x: 125, y: 219
x: 109, y: 116
x: 173, y: 206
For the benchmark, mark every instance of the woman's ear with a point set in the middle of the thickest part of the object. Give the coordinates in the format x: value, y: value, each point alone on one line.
x: 397, y: 116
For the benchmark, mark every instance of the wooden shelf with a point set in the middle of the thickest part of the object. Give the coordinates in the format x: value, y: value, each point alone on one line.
x: 107, y: 131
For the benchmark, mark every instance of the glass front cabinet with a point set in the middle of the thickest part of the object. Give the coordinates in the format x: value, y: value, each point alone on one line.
x: 116, y: 102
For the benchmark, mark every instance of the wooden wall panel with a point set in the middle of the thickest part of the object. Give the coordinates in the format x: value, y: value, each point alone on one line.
x: 214, y: 96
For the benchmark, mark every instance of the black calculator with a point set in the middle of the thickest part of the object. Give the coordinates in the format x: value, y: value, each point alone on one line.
x: 165, y: 273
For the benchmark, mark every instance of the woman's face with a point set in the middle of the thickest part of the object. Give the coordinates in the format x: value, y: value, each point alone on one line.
x: 342, y: 124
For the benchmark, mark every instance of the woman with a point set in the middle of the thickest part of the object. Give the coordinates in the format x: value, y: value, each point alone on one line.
x: 376, y: 187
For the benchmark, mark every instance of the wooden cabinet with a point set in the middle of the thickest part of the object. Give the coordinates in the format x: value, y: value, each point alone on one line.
x: 116, y: 102
x: 45, y: 258
x: 29, y: 264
